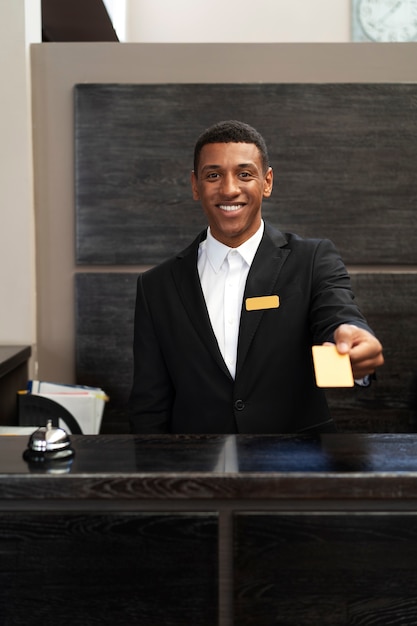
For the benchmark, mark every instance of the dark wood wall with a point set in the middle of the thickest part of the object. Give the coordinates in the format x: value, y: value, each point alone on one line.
x: 344, y: 157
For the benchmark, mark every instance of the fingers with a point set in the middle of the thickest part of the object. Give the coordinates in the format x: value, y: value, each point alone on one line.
x: 364, y: 365
x: 364, y: 349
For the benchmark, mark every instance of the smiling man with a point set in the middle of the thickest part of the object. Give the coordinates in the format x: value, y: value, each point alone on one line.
x: 224, y: 330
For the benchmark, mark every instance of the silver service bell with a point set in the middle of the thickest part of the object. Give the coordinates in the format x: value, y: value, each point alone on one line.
x: 48, y: 443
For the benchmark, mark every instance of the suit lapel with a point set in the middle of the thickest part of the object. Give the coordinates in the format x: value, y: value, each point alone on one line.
x: 261, y: 281
x: 185, y: 275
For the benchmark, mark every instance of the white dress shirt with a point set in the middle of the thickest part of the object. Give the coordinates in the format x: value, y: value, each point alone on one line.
x: 223, y: 272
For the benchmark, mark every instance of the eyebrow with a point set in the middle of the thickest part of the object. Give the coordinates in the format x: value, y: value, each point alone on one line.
x: 219, y: 167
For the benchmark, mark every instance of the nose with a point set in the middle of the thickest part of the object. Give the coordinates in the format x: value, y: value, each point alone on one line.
x: 230, y: 185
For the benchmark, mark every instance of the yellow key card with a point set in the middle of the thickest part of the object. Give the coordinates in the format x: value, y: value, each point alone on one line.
x: 332, y: 369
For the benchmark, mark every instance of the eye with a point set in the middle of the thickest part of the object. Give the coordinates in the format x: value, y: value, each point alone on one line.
x: 212, y: 176
x: 245, y: 174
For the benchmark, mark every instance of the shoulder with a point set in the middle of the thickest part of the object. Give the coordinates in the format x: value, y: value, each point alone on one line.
x: 166, y: 267
x: 295, y: 242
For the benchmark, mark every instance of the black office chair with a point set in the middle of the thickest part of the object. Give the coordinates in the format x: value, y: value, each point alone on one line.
x: 35, y: 410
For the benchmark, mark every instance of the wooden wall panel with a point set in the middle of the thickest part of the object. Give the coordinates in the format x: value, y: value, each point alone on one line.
x: 335, y: 569
x: 389, y: 302
x: 115, y: 568
x: 105, y: 311
x: 105, y: 306
x: 344, y: 157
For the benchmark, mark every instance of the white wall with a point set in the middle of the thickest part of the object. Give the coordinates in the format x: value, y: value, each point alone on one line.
x: 20, y: 24
x: 117, y: 12
x: 237, y: 21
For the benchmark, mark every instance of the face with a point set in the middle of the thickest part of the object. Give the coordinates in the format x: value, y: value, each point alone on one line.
x: 230, y: 184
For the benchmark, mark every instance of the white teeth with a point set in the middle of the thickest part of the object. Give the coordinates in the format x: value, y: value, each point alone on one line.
x: 234, y: 207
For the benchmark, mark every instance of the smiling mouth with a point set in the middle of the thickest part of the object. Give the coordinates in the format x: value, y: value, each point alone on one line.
x: 230, y: 207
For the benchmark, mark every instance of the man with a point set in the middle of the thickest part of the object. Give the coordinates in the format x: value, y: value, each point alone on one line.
x: 224, y: 330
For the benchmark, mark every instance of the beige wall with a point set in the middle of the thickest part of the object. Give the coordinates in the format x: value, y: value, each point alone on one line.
x: 58, y: 67
x: 20, y: 25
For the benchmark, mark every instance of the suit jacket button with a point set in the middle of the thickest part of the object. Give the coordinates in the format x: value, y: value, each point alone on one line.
x: 239, y: 405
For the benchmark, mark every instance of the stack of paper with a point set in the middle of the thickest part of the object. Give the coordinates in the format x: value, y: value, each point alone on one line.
x: 86, y: 404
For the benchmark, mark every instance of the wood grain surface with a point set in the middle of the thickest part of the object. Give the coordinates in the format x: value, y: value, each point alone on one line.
x: 211, y: 530
x: 182, y: 471
x: 117, y: 568
x: 344, y: 157
x: 305, y: 570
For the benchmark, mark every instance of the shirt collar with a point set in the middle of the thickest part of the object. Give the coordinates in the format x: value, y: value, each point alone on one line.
x: 217, y: 251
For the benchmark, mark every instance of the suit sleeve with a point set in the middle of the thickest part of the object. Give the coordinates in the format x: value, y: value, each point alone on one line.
x: 332, y: 299
x: 151, y: 398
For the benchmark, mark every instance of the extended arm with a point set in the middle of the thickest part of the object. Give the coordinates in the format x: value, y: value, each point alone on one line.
x: 335, y: 306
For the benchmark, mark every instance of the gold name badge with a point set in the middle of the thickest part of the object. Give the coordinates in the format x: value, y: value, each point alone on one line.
x: 262, y: 302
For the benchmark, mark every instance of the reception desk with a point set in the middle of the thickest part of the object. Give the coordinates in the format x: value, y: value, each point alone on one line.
x: 207, y: 530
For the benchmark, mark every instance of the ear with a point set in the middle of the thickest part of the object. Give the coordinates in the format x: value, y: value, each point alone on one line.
x: 194, y: 186
x: 268, y: 182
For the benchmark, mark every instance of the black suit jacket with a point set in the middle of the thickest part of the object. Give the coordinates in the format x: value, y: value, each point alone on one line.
x: 181, y: 383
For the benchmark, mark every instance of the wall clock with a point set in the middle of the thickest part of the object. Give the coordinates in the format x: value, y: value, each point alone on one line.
x: 384, y: 20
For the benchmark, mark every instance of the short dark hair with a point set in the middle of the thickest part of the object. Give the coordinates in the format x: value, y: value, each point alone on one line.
x: 231, y: 131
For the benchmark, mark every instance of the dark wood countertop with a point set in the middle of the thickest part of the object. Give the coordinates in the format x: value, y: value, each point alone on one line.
x: 321, y: 522
x: 127, y: 467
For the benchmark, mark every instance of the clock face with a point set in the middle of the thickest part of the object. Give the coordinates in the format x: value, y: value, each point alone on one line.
x: 388, y: 20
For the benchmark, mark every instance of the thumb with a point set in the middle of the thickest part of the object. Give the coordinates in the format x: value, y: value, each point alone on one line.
x: 343, y: 338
